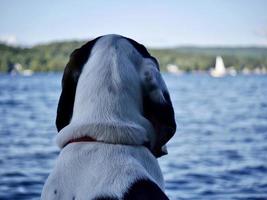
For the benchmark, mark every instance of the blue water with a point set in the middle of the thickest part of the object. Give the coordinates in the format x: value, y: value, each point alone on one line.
x: 218, y: 152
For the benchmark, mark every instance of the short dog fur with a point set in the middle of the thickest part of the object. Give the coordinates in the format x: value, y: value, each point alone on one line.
x: 112, y: 91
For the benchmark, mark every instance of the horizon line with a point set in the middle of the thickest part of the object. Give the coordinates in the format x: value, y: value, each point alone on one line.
x: 20, y: 45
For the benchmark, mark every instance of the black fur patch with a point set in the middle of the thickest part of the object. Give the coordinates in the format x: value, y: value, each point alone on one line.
x: 162, y: 117
x: 142, y: 50
x: 70, y: 78
x: 144, y: 190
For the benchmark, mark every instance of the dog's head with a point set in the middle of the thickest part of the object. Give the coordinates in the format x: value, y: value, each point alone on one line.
x: 114, y: 80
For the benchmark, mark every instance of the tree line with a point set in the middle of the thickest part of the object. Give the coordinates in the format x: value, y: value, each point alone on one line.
x: 54, y: 56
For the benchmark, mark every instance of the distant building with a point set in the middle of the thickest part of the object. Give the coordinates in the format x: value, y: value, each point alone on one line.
x: 14, y: 69
x: 174, y: 69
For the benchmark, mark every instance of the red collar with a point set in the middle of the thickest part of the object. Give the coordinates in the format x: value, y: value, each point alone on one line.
x: 80, y: 139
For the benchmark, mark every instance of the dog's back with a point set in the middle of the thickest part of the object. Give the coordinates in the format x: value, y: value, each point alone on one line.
x: 104, y: 171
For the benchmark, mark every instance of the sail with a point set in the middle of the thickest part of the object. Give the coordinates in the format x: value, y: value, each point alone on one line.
x: 219, y: 69
x: 219, y: 66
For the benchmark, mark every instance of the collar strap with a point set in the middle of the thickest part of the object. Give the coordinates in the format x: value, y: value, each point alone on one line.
x: 90, y: 139
x: 80, y: 139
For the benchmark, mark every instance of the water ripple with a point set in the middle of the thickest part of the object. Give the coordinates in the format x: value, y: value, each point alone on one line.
x: 218, y: 152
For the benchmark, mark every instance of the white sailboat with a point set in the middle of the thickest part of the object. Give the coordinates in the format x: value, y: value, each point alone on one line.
x: 219, y: 69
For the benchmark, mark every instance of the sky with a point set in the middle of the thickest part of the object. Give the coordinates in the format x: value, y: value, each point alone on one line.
x: 155, y: 23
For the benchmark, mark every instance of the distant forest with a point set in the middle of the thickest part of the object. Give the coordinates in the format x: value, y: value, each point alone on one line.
x: 54, y: 56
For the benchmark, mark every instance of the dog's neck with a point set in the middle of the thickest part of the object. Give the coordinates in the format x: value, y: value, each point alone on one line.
x: 108, y: 109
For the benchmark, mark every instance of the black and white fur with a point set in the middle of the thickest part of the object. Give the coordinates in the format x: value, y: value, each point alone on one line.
x: 112, y: 91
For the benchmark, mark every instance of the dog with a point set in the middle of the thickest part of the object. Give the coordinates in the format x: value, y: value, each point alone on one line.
x: 114, y: 118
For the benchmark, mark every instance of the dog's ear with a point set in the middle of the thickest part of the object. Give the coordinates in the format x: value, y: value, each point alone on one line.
x: 69, y: 82
x: 157, y: 105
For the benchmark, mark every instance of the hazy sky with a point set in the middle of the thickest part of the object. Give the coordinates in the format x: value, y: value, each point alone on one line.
x: 154, y: 23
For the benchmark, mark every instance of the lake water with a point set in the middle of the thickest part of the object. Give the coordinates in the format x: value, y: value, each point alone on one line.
x: 218, y: 152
